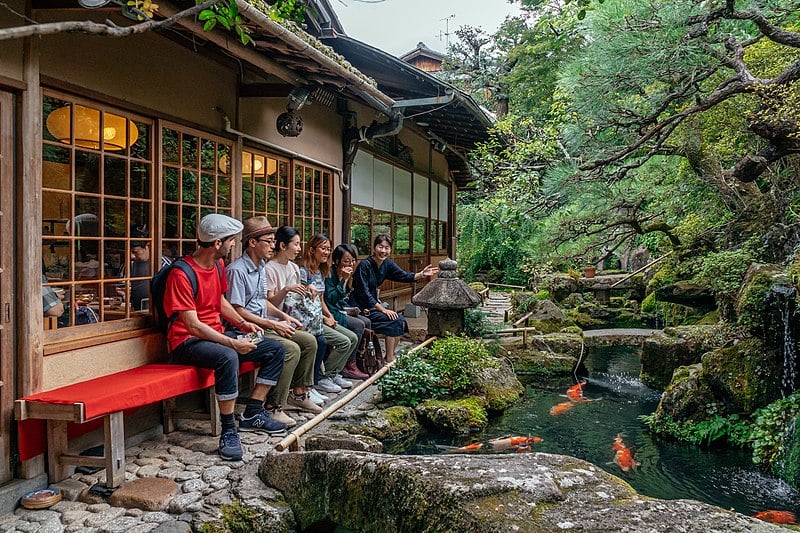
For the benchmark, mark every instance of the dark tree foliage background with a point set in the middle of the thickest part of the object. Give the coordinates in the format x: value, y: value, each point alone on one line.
x: 631, y: 124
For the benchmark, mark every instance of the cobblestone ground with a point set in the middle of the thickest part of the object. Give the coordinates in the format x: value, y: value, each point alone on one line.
x: 189, y: 458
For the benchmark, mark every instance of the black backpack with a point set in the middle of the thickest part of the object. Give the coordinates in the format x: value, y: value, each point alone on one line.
x: 158, y: 286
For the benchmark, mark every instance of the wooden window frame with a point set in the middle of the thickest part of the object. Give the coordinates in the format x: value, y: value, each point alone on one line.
x: 54, y: 232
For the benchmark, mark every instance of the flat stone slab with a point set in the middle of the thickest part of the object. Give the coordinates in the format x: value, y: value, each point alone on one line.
x: 149, y: 494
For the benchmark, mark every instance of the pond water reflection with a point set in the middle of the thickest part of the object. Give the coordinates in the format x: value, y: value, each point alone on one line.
x: 666, y: 469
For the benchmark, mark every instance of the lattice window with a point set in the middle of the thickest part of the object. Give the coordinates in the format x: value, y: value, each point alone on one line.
x: 265, y: 187
x: 97, y: 211
x: 311, y: 211
x: 195, y: 181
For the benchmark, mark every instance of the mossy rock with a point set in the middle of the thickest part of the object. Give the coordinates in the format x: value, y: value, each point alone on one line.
x: 753, y: 298
x: 584, y: 320
x: 551, y: 355
x: 498, y: 385
x: 709, y: 319
x: 393, y: 424
x: 746, y: 375
x: 688, y: 396
x: 562, y: 342
x: 627, y: 319
x: 463, y: 416
x: 671, y: 348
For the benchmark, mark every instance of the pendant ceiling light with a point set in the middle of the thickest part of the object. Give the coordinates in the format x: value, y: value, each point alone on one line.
x: 117, y: 133
x: 252, y: 165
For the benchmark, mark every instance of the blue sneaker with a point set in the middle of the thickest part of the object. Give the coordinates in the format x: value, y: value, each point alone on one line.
x: 261, y: 421
x: 230, y: 447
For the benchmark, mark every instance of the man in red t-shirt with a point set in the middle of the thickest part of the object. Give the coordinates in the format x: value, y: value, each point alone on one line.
x: 197, y: 337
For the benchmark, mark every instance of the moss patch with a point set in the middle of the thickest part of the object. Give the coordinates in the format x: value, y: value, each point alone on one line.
x: 459, y: 417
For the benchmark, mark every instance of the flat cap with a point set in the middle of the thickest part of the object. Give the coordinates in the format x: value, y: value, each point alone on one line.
x: 216, y: 226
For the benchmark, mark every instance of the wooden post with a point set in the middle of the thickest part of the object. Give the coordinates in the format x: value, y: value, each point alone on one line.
x: 29, y: 252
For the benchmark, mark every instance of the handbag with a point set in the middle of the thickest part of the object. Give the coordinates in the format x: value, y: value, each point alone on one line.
x: 307, y: 310
x: 369, y: 357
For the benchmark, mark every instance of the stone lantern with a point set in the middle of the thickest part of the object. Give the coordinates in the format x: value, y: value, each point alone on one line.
x: 446, y: 297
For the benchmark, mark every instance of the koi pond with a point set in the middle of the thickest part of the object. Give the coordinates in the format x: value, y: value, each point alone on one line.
x: 665, y: 469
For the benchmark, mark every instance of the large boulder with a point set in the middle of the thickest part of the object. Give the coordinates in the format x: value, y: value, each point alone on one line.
x: 731, y: 380
x: 745, y: 376
x: 663, y: 352
x: 547, y: 317
x: 393, y: 426
x: 487, y: 493
x: 497, y: 385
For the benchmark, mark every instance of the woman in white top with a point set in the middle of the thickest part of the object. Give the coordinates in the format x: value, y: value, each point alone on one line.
x: 286, y: 292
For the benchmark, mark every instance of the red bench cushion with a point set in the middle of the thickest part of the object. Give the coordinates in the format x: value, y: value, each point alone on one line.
x: 121, y: 391
x: 130, y: 388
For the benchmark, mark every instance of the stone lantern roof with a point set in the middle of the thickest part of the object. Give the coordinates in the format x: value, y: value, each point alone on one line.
x: 447, y: 291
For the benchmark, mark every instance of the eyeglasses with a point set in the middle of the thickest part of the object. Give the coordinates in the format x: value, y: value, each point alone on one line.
x: 268, y: 241
x: 349, y: 261
x: 325, y: 249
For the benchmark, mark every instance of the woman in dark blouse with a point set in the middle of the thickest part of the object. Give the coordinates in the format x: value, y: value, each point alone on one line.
x: 369, y: 275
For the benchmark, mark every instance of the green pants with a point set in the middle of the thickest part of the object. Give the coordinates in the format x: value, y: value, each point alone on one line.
x: 298, y: 365
x: 342, y: 342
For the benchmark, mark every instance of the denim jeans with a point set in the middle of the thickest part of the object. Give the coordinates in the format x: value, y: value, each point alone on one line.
x: 225, y: 362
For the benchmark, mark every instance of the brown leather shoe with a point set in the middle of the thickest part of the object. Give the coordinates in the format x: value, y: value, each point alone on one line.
x: 351, y: 371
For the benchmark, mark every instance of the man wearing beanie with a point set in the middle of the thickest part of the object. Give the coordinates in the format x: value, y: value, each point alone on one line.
x: 196, y: 336
x: 247, y: 294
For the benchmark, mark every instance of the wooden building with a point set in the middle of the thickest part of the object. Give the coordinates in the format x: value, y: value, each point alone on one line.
x: 110, y: 144
x: 424, y: 58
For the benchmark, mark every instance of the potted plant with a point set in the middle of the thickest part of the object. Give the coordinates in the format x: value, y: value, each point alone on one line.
x: 589, y: 271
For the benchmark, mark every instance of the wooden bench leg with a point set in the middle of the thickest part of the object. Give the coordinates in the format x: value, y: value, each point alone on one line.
x: 57, y: 445
x: 213, y: 408
x: 114, y: 433
x: 168, y: 412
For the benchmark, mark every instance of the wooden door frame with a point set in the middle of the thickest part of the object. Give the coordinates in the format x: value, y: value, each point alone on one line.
x: 7, y: 281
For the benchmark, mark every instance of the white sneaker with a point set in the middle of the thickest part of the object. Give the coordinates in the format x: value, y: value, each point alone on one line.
x: 327, y: 385
x: 343, y: 383
x: 316, y: 397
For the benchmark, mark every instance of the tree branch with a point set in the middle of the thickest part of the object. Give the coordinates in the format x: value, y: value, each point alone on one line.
x: 108, y: 29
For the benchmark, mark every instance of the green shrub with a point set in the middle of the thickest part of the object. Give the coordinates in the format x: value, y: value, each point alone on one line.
x: 770, y: 427
x: 410, y: 381
x: 477, y: 325
x: 455, y: 359
x: 705, y: 432
x: 446, y: 369
x: 543, y: 294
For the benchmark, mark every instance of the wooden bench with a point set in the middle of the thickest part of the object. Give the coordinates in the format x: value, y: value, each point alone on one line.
x: 106, y: 398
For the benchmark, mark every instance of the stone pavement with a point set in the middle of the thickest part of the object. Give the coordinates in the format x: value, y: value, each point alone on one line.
x: 173, y: 484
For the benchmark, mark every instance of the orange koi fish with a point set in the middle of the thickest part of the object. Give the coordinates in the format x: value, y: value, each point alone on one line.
x: 561, y: 408
x: 618, y: 444
x: 500, y: 444
x: 776, y: 517
x: 623, y: 458
x: 575, y: 392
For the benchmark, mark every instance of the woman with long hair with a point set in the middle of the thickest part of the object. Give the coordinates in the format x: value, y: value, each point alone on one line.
x: 286, y: 291
x: 369, y: 275
x: 314, y: 268
x: 338, y: 286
